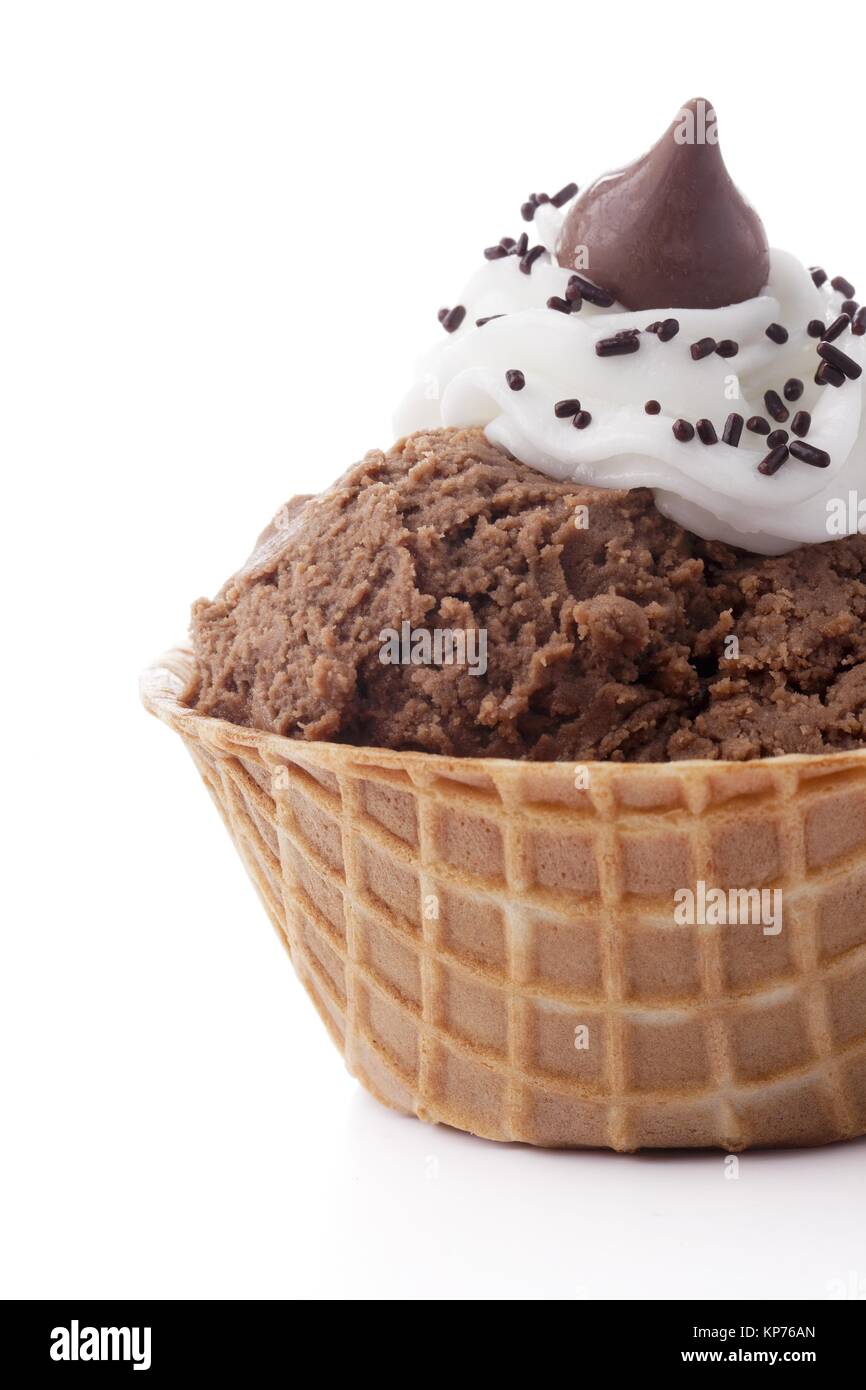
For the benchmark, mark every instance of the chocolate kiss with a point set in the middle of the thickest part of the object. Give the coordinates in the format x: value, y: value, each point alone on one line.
x: 670, y: 231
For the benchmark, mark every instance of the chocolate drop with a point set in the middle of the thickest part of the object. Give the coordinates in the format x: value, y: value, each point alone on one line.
x: 670, y: 231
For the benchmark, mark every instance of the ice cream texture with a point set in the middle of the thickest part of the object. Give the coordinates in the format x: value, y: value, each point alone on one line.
x: 607, y: 625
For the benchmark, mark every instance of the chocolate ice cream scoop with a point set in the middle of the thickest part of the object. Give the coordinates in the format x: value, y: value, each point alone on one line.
x: 671, y: 230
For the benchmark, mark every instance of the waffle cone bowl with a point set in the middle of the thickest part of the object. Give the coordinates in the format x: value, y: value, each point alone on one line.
x: 491, y: 943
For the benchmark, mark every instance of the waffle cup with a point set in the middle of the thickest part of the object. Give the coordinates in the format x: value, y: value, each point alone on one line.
x: 492, y: 945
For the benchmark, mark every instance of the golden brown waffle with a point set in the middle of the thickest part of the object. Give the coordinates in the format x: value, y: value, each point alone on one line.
x: 455, y: 921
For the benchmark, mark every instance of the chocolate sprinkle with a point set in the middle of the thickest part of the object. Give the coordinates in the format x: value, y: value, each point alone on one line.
x: 581, y: 419
x: 843, y: 286
x: 683, y: 431
x: 521, y: 245
x: 563, y: 409
x: 707, y: 432
x: 594, y: 293
x: 452, y: 318
x: 653, y: 327
x: 793, y: 389
x: 564, y: 195
x: 727, y: 348
x: 850, y: 307
x: 775, y: 406
x: 528, y: 260
x: 669, y: 329
x: 733, y: 429
x: 479, y: 323
x: 776, y: 437
x: 774, y: 460
x: 818, y: 275
x: 618, y: 345
x: 527, y: 211
x: 515, y: 378
x: 836, y: 328
x: 814, y: 328
x: 495, y: 253
x: 652, y: 407
x: 807, y: 453
x: 827, y: 375
x: 837, y: 358
x: 508, y: 242
x: 573, y: 294
x: 757, y: 424
x: 561, y: 304
x: 801, y: 423
x: 777, y: 333
x: 702, y: 348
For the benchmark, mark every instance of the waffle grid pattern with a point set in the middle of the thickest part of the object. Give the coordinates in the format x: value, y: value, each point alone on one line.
x: 457, y: 923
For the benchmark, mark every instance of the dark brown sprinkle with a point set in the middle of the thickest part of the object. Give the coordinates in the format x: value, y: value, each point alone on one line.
x: 814, y: 328
x: 527, y: 211
x: 528, y: 260
x: 777, y: 333
x: 776, y: 437
x: 702, y: 348
x: 839, y: 359
x: 563, y: 409
x: 572, y: 291
x: 850, y: 307
x: 653, y: 327
x: 508, y: 242
x: 554, y: 302
x: 733, y: 429
x: 617, y: 346
x: 836, y: 328
x: 683, y: 431
x: 515, y: 378
x: 540, y: 198
x: 727, y: 348
x: 707, y: 432
x: 829, y: 376
x: 479, y: 323
x: 594, y: 293
x: 521, y: 245
x: 652, y: 407
x: 442, y: 315
x: 495, y: 253
x: 669, y: 329
x: 858, y: 327
x: 452, y: 318
x: 793, y: 389
x: 581, y: 419
x: 843, y: 286
x: 807, y: 453
x: 774, y: 460
x: 757, y: 424
x: 775, y: 406
x: 564, y: 195
x: 818, y: 275
x: 801, y: 423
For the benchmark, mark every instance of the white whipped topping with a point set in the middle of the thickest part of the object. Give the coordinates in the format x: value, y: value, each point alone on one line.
x: 716, y: 490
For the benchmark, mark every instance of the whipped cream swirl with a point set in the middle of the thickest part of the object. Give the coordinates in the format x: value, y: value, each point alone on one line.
x: 715, y: 490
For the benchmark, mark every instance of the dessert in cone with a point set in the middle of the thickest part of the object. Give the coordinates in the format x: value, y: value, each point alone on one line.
x: 602, y: 883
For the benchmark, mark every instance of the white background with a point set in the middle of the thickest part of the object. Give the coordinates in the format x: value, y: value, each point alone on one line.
x: 225, y: 233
